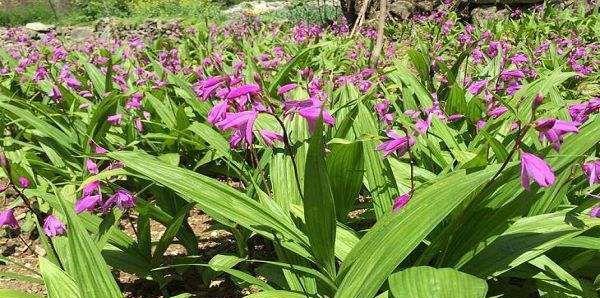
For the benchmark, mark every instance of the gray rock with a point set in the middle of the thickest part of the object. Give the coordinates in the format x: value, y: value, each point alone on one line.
x: 256, y: 7
x: 39, y: 27
x: 81, y: 33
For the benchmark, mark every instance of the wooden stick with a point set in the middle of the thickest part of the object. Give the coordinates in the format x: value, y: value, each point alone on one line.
x: 360, y: 17
x: 383, y: 11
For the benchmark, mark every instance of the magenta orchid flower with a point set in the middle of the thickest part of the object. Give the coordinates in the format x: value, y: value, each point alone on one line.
x: 115, y: 119
x: 592, y: 171
x: 536, y: 168
x: 7, y: 219
x: 477, y: 86
x: 217, y: 112
x: 286, y: 88
x: 242, y: 122
x: 249, y: 89
x: 88, y: 203
x: 91, y: 187
x: 553, y: 130
x: 396, y: 143
x: 270, y: 137
x: 135, y: 102
x: 595, y: 212
x: 401, y: 201
x: 91, y: 167
x: 24, y: 182
x: 55, y: 94
x: 312, y: 114
x: 122, y: 198
x: 54, y: 227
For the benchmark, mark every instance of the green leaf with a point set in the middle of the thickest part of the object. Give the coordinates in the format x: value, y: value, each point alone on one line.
x: 393, y: 237
x: 586, y: 242
x: 44, y: 128
x: 58, y: 283
x: 89, y: 268
x: 95, y: 77
x: 170, y: 233
x: 217, y: 199
x: 279, y: 294
x: 283, y: 180
x: 319, y: 208
x: 526, y: 239
x: 345, y: 167
x: 17, y: 294
x: 164, y: 111
x: 379, y: 177
x: 428, y: 282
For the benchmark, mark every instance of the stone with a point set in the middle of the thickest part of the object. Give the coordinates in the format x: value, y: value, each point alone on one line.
x: 81, y: 33
x: 39, y: 27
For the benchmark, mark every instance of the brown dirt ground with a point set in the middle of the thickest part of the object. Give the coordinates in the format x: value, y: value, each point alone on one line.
x: 211, y: 242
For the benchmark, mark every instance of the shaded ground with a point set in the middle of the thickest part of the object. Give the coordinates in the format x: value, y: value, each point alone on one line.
x: 211, y: 242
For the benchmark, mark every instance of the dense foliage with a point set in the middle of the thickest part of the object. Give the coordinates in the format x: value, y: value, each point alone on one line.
x: 465, y: 164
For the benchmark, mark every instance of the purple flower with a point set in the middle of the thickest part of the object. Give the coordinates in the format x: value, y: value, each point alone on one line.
x: 243, y: 122
x: 91, y: 166
x: 492, y: 49
x: 518, y: 59
x: 592, y: 171
x: 477, y: 56
x: 7, y: 219
x: 98, y: 149
x: 24, y: 182
x: 115, y: 119
x: 270, y: 137
x: 553, y: 130
x: 401, y: 201
x: 88, y: 203
x: 477, y: 86
x: 286, y: 88
x: 480, y: 124
x: 382, y: 109
x: 312, y: 114
x: 396, y: 143
x: 218, y: 112
x: 54, y: 227
x: 422, y: 126
x: 249, y: 89
x: 55, y: 94
x: 507, y: 75
x: 206, y: 88
x: 580, y: 112
x: 40, y: 74
x: 536, y: 168
x: 135, y: 102
x: 122, y: 198
x: 497, y: 111
x: 595, y: 212
x: 91, y: 187
x: 137, y: 123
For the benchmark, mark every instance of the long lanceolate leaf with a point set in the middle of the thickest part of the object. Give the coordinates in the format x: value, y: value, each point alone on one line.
x: 378, y: 253
x: 217, y: 199
x: 43, y: 128
x: 345, y: 166
x: 428, y: 282
x: 526, y: 239
x: 89, y: 269
x: 319, y: 208
x: 58, y: 283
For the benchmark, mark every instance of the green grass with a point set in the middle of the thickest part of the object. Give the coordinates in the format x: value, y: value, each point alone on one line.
x: 34, y: 12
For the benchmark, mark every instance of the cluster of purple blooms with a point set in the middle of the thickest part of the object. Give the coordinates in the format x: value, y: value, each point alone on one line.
x: 52, y: 226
